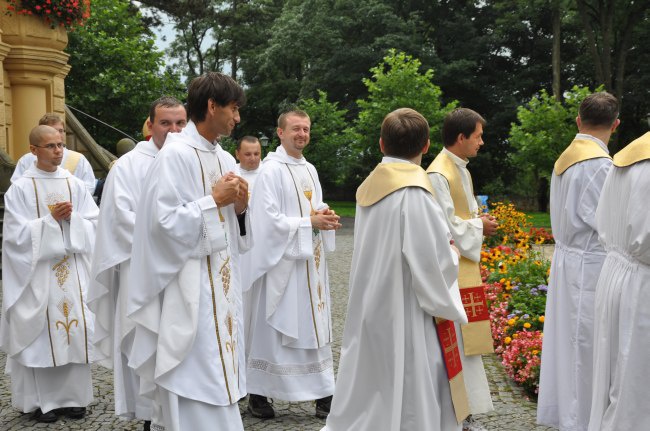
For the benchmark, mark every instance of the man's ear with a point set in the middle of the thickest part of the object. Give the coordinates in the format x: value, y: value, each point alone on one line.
x: 578, y: 122
x: 426, y: 147
x: 616, y: 124
x: 381, y: 146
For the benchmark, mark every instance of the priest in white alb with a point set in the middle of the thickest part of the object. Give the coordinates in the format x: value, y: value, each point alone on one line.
x: 46, y: 327
x: 462, y: 135
x: 288, y: 338
x: 400, y: 367
x: 112, y: 258
x: 185, y: 293
x: 566, y: 373
x: 622, y: 335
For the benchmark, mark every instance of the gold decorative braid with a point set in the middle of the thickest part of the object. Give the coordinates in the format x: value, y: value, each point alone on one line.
x: 47, y: 311
x: 214, y: 299
x: 49, y: 333
x: 216, y: 327
x: 311, y: 299
x: 83, y: 311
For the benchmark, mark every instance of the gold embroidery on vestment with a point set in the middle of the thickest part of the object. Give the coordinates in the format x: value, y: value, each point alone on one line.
x: 64, y: 306
x: 62, y: 271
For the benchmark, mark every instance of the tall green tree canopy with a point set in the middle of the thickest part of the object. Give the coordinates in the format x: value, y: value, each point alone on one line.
x: 116, y: 71
x: 397, y: 82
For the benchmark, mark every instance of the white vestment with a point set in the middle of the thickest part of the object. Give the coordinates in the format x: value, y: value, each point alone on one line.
x: 110, y: 282
x: 45, y: 325
x: 622, y: 333
x: 567, y: 350
x: 83, y: 170
x: 288, y: 340
x: 392, y: 375
x: 250, y: 176
x: 188, y: 348
x: 468, y: 237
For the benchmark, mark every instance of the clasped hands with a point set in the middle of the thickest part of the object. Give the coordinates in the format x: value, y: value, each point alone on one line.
x: 325, y: 219
x: 230, y: 189
x: 61, y: 211
x: 490, y: 224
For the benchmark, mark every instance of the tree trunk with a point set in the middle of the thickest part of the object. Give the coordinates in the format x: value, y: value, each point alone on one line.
x: 557, y: 43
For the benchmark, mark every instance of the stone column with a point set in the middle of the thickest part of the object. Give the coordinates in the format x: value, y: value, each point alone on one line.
x: 34, y: 69
x: 4, y: 128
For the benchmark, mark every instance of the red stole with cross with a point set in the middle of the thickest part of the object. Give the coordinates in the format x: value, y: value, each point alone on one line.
x: 477, y: 335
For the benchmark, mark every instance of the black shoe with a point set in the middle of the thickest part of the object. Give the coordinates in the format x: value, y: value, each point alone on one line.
x: 260, y: 407
x: 75, y: 412
x: 48, y: 417
x: 323, y: 406
x: 147, y: 425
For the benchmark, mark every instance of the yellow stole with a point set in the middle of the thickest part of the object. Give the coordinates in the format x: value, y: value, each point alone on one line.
x: 477, y: 335
x: 578, y: 151
x: 71, y: 161
x: 385, y: 179
x: 636, y: 151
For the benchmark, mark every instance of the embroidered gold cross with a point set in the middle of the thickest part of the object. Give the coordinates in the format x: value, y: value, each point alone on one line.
x: 473, y: 305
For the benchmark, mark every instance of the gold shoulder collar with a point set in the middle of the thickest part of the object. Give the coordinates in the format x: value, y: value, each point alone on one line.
x: 636, y: 151
x: 387, y: 178
x: 578, y: 151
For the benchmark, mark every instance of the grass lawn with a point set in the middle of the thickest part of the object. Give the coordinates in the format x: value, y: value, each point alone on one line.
x: 540, y: 219
x: 343, y: 208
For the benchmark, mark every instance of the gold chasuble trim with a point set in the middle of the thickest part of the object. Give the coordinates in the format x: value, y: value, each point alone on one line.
x: 212, y: 290
x: 636, y: 151
x: 578, y: 151
x: 477, y: 335
x: 311, y: 299
x: 387, y: 178
x: 72, y: 161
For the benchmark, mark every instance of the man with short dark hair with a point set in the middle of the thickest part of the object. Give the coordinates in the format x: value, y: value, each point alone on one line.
x: 392, y: 372
x: 567, y: 352
x: 46, y: 328
x: 248, y: 152
x: 191, y: 224
x: 112, y: 257
x: 462, y: 134
x: 288, y: 341
x: 73, y: 161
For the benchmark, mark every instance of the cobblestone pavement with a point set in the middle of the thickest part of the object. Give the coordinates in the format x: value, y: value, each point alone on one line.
x: 513, y: 412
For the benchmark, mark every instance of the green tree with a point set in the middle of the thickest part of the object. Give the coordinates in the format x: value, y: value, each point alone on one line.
x: 545, y: 127
x: 329, y: 149
x: 322, y: 44
x: 396, y: 82
x: 116, y: 71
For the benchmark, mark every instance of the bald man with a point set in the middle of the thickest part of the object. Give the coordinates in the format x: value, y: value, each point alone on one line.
x: 45, y: 328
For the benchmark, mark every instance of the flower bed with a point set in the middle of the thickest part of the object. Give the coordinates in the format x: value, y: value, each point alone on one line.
x: 516, y: 280
x: 65, y: 13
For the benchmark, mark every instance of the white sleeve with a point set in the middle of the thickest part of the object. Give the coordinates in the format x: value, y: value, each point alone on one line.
x: 84, y: 172
x: 467, y: 234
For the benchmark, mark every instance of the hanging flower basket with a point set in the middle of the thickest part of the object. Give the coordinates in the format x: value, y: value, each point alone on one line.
x: 57, y: 13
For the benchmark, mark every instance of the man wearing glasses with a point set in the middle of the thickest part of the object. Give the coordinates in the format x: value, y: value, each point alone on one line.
x: 45, y: 327
x: 73, y: 161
